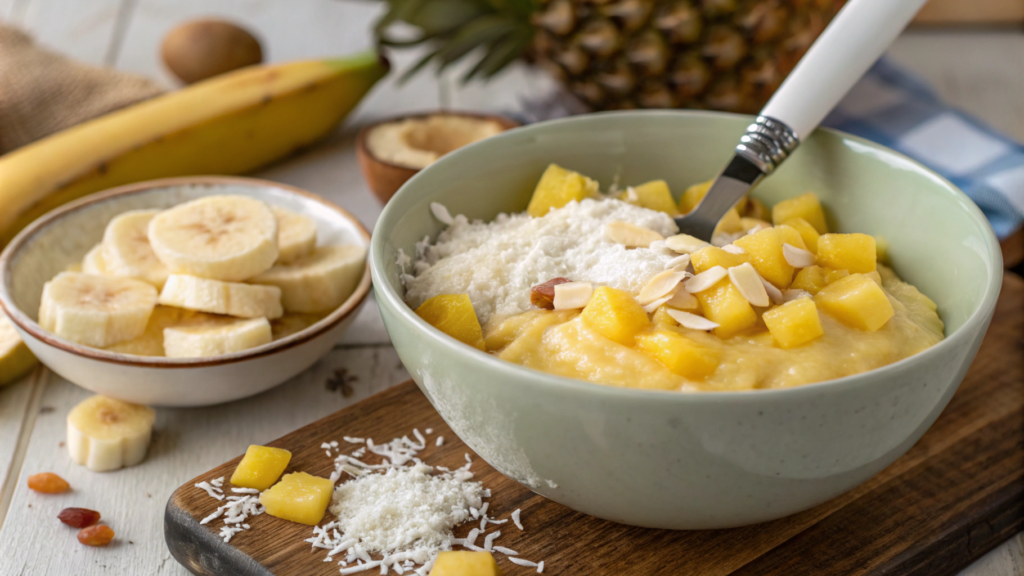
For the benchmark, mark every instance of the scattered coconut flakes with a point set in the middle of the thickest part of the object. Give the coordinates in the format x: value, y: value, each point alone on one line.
x: 748, y: 282
x: 353, y: 440
x: 653, y: 306
x: 660, y: 286
x: 681, y: 262
x: 212, y: 489
x: 733, y: 249
x: 515, y: 518
x: 506, y: 551
x: 706, y: 279
x: 691, y: 321
x: 685, y: 244
x: 440, y: 441
x: 429, y: 430
x: 630, y: 235
x: 684, y: 300
x: 235, y: 511
x: 489, y: 540
x: 798, y: 257
x: 774, y: 293
x: 441, y: 213
x: 522, y: 562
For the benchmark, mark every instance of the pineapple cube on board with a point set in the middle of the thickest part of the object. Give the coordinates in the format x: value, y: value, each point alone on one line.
x: 854, y: 252
x: 764, y: 248
x: 805, y: 206
x: 708, y: 257
x: 465, y: 563
x: 260, y: 467
x: 558, y: 187
x: 856, y: 301
x: 814, y: 278
x: 654, y: 195
x: 453, y: 314
x: 726, y: 306
x: 679, y: 354
x: 616, y: 315
x: 795, y: 323
x: 299, y: 497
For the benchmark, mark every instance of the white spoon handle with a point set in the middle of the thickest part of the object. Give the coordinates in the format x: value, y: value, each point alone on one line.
x: 851, y: 43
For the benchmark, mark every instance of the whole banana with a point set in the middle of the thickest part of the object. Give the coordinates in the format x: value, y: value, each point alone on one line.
x: 229, y: 124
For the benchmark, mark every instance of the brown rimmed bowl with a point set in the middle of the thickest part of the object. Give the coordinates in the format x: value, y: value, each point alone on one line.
x: 62, y: 237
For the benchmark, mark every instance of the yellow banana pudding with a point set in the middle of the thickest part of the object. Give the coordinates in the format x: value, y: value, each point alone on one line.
x: 601, y: 287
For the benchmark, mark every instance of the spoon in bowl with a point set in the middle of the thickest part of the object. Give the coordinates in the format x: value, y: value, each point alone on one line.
x: 851, y: 43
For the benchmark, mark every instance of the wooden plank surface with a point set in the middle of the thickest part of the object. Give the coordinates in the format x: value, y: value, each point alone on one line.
x: 955, y: 495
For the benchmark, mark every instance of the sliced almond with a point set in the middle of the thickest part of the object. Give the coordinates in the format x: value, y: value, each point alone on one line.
x: 691, y: 321
x: 631, y: 194
x: 748, y: 282
x: 650, y: 308
x: 705, y: 279
x: 543, y: 295
x: 733, y: 249
x: 630, y: 235
x: 683, y: 300
x: 678, y: 263
x: 573, y: 295
x: 757, y: 227
x: 441, y: 213
x: 685, y: 244
x: 774, y: 293
x: 795, y: 294
x: 660, y: 286
x: 798, y: 257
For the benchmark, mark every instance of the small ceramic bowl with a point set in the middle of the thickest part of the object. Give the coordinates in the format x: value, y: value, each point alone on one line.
x: 710, y: 459
x: 63, y: 236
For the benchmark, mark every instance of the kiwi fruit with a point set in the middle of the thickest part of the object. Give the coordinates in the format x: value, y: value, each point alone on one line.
x: 199, y: 49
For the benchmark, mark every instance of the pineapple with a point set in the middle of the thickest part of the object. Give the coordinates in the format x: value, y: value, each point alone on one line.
x: 619, y: 54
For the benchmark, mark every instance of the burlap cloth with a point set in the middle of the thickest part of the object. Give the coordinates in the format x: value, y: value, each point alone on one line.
x: 42, y: 92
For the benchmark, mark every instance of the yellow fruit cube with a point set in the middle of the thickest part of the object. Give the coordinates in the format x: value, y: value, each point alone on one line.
x: 654, y: 195
x: 794, y: 323
x: 453, y: 314
x: 730, y: 223
x: 711, y: 256
x: 814, y: 278
x: 857, y: 302
x: 724, y: 305
x: 558, y: 187
x: 662, y: 318
x: 806, y: 207
x: 806, y: 231
x: 260, y: 467
x: 764, y: 248
x: 679, y: 354
x: 465, y: 563
x: 853, y: 252
x: 693, y: 195
x: 299, y: 497
x: 616, y: 315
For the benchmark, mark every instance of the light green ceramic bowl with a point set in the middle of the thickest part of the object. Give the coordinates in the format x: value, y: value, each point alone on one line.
x: 705, y: 460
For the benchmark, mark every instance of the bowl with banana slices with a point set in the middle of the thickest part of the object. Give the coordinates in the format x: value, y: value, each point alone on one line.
x: 186, y: 291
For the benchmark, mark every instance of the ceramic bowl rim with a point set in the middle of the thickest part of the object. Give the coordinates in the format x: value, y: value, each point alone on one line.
x: 54, y: 217
x: 387, y: 295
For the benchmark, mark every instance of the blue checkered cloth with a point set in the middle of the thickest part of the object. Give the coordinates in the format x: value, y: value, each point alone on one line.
x: 893, y: 108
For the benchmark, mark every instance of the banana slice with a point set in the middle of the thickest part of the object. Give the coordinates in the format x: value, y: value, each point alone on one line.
x: 97, y: 311
x: 151, y: 343
x: 216, y: 297
x: 296, y: 235
x: 289, y: 324
x: 126, y: 248
x: 216, y: 337
x: 230, y: 238
x: 94, y: 263
x: 15, y: 358
x: 106, y: 434
x: 319, y: 282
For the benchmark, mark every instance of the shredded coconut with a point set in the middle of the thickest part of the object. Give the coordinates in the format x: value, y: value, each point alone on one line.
x: 496, y: 263
x: 236, y: 511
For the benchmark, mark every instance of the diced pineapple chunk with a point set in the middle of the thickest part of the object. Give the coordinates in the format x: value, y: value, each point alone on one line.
x: 616, y: 315
x: 726, y: 306
x: 679, y: 354
x: 853, y: 252
x: 794, y: 323
x: 764, y: 248
x: 662, y: 318
x: 654, y: 195
x: 260, y: 467
x: 806, y: 231
x: 299, y: 497
x: 814, y: 278
x: 731, y: 223
x: 711, y: 256
x: 857, y: 302
x: 465, y: 563
x: 693, y: 195
x: 805, y: 206
x: 558, y: 187
x: 453, y: 314
x: 875, y: 277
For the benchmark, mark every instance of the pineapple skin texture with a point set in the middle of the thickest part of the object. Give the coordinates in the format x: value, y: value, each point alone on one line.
x: 856, y: 301
x: 805, y: 206
x: 654, y: 195
x: 795, y: 323
x: 260, y: 467
x: 465, y: 563
x: 616, y: 315
x: 724, y: 305
x: 764, y: 249
x: 854, y: 252
x: 299, y: 497
x: 556, y: 188
x: 711, y: 256
x: 679, y: 354
x: 453, y: 314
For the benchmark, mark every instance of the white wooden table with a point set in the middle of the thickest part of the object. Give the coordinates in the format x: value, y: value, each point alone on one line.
x: 980, y: 71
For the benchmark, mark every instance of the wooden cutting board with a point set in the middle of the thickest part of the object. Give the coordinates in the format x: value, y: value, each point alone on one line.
x: 958, y: 493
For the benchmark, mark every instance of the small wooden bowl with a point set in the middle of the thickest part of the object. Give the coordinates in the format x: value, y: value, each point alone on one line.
x: 385, y: 178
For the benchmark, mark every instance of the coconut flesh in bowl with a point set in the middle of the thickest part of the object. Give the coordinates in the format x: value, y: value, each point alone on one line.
x: 673, y: 458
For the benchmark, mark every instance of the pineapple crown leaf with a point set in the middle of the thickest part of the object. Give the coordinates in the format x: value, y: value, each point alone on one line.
x: 455, y: 28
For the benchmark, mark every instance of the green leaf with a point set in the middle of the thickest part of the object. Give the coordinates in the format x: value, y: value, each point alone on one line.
x: 446, y: 16
x: 417, y: 67
x: 501, y: 53
x: 482, y: 31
